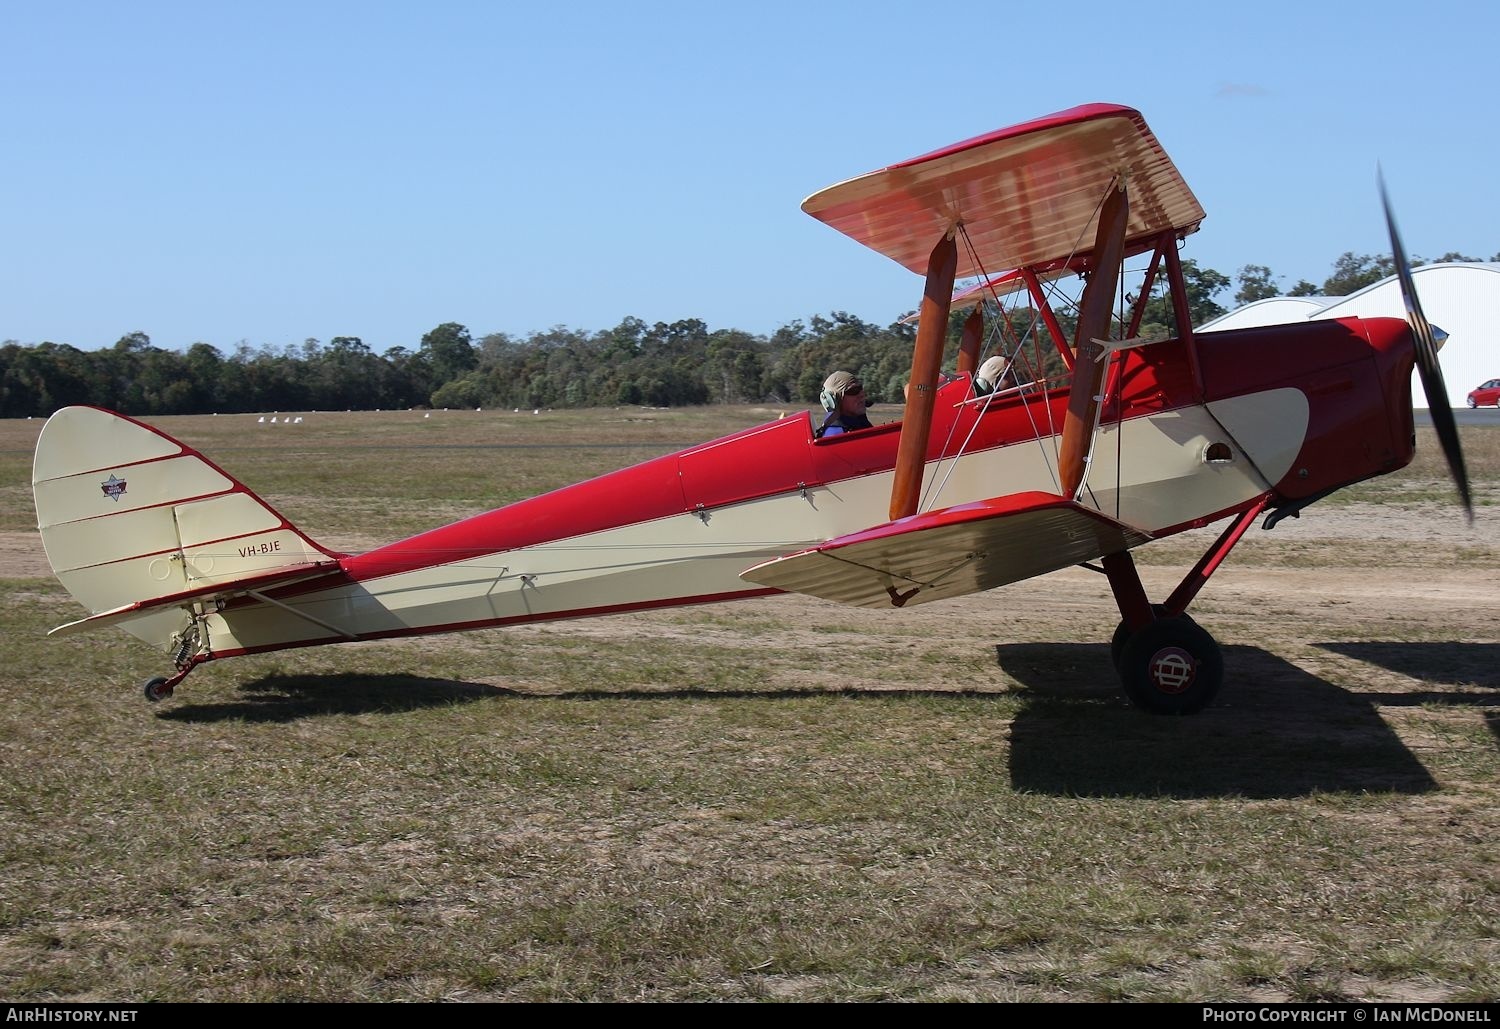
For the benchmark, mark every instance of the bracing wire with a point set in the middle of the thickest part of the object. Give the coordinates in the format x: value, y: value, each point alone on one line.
x: 930, y: 494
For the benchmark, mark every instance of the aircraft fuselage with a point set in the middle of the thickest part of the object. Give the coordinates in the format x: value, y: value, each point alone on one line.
x: 1290, y: 411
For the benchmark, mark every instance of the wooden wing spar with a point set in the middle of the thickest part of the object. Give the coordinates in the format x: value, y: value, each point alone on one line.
x: 1026, y: 195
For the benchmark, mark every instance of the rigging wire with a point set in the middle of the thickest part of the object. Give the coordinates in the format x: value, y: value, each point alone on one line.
x: 1043, y: 393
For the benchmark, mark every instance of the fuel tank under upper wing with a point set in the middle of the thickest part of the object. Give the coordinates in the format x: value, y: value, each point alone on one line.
x: 951, y: 552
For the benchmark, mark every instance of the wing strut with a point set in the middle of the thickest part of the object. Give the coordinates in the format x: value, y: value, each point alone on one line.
x: 1094, y: 311
x: 972, y: 341
x: 926, y: 359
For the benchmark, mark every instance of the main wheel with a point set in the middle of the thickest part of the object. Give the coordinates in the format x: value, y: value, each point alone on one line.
x: 156, y: 689
x: 1474, y: 403
x: 1122, y: 634
x: 1172, y: 667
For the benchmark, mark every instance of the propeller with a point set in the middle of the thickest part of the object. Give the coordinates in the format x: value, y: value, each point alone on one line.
x: 1426, y: 347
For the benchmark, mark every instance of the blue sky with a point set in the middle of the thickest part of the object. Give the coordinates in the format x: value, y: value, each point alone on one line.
x: 272, y: 171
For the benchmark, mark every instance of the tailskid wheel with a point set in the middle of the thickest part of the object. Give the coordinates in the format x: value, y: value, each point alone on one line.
x: 156, y: 688
x: 1171, y: 667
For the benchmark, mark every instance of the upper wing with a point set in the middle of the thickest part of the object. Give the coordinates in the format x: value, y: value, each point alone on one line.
x: 1026, y: 196
x: 952, y: 552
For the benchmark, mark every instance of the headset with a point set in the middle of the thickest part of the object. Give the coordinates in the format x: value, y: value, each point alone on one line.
x: 831, y: 400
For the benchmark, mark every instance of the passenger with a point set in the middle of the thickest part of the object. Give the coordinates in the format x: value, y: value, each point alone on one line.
x: 844, y: 399
x: 990, y: 375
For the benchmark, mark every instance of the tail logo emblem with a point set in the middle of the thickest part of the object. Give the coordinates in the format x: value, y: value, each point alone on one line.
x: 113, y: 487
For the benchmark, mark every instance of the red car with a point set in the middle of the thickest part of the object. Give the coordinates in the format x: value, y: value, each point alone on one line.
x: 1486, y: 395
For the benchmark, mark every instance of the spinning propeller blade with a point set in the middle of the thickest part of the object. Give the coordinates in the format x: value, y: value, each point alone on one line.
x: 1431, y: 371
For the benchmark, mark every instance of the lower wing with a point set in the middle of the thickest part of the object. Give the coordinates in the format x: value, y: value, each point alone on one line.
x: 951, y: 552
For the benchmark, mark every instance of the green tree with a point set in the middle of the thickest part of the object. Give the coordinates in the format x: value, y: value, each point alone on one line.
x: 124, y: 361
x: 468, y: 391
x: 163, y: 382
x: 346, y: 375
x: 133, y: 343
x: 405, y: 382
x: 448, y: 352
x: 1201, y: 286
x: 733, y: 367
x: 38, y: 380
x: 1353, y: 272
x: 1256, y: 283
x: 203, y: 367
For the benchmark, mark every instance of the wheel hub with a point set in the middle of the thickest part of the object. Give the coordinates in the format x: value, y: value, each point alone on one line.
x: 1172, y: 670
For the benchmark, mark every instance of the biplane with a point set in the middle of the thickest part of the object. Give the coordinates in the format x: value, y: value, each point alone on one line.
x: 1132, y: 440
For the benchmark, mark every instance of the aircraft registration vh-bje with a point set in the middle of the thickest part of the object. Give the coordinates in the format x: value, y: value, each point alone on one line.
x: 1129, y: 441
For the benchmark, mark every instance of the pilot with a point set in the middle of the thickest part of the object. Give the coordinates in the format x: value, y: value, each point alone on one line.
x: 844, y: 399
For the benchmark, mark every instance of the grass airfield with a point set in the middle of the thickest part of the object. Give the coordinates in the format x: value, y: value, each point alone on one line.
x: 770, y: 800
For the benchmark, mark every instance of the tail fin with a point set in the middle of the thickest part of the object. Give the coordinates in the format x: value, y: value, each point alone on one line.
x: 128, y: 516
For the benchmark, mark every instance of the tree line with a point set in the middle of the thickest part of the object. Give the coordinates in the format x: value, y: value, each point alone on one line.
x: 634, y: 363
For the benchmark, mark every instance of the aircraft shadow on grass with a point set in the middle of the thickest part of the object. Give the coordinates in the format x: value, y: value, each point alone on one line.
x: 1274, y: 731
x: 1449, y: 663
x: 288, y: 698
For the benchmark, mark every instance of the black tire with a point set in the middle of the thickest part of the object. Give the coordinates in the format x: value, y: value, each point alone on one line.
x: 156, y: 689
x: 1473, y: 403
x: 1172, y: 667
x: 1117, y: 644
x: 1122, y: 634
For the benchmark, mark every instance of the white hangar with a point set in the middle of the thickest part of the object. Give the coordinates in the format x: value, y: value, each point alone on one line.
x: 1461, y: 299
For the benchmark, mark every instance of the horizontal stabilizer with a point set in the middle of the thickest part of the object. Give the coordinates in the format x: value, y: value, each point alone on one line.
x: 203, y: 594
x: 951, y: 552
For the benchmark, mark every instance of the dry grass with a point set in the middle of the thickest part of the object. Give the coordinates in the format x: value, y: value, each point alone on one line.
x: 762, y: 801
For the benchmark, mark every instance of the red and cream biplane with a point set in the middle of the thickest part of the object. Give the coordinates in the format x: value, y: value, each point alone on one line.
x: 969, y: 491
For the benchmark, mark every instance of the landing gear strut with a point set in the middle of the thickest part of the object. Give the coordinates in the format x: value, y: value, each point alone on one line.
x: 1168, y: 664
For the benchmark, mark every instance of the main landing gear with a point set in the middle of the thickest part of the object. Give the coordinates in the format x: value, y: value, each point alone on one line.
x: 1168, y: 664
x: 1171, y: 666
